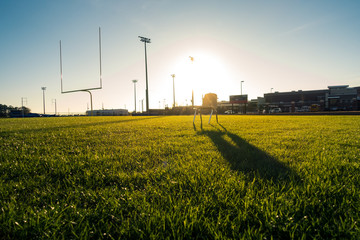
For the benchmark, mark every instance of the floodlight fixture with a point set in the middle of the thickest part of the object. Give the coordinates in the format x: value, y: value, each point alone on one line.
x: 146, y: 40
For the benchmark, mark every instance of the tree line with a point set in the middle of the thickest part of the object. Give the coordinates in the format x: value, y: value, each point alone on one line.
x: 8, y: 111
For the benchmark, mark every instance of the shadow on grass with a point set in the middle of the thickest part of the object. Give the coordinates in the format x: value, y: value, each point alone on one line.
x: 247, y: 158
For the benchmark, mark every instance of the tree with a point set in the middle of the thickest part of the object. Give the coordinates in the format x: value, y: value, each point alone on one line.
x: 25, y: 109
x: 7, y: 111
x: 3, y: 110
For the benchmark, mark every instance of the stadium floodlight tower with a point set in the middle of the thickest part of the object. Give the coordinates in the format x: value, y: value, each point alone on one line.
x: 145, y: 41
x: 86, y: 89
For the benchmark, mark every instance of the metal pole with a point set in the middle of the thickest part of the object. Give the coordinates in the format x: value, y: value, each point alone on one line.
x: 54, y: 101
x: 135, y: 81
x: 135, y: 95
x: 147, y: 86
x: 192, y: 98
x: 100, y: 57
x: 210, y: 115
x: 61, y: 75
x: 91, y: 103
x: 194, y: 117
x: 146, y: 40
x: 43, y: 88
x: 241, y: 86
x: 173, y: 76
x: 192, y: 91
x: 22, y: 106
x: 44, y: 100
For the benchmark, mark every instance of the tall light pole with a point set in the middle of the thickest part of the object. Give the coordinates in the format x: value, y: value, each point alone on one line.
x: 43, y: 88
x: 135, y: 81
x: 192, y: 91
x: 145, y: 41
x: 22, y: 105
x: 173, y: 76
x: 271, y: 90
x: 54, y: 101
x: 241, y: 86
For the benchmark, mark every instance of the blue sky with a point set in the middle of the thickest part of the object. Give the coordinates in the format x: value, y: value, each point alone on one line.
x: 284, y: 45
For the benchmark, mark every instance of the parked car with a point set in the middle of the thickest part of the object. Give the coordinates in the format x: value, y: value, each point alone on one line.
x: 275, y: 110
x: 315, y: 108
x: 305, y: 109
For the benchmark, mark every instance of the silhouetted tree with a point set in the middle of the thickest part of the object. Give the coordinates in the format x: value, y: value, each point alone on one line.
x: 6, y: 111
x: 3, y: 110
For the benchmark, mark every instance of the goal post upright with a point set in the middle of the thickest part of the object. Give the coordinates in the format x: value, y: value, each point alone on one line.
x: 100, y: 57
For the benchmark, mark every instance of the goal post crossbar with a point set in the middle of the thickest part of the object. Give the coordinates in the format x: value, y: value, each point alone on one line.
x: 81, y: 90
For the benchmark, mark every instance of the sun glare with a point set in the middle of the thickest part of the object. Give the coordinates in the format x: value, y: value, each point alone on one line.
x: 199, y: 72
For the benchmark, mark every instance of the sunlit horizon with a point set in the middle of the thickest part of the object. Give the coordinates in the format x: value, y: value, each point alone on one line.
x: 204, y: 74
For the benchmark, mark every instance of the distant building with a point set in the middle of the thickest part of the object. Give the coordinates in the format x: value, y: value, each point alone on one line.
x: 237, y: 104
x: 156, y: 112
x: 108, y: 112
x: 334, y: 98
x: 209, y: 100
x: 343, y: 98
x: 256, y: 105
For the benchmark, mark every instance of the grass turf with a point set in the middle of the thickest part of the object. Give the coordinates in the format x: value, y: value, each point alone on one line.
x: 257, y: 177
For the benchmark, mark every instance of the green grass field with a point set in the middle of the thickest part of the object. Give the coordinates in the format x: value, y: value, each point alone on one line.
x: 248, y: 177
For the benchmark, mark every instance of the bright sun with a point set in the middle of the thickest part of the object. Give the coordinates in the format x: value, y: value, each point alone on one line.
x: 204, y: 74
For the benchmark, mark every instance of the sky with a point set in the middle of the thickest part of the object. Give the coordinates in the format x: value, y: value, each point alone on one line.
x: 269, y: 45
